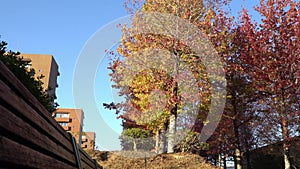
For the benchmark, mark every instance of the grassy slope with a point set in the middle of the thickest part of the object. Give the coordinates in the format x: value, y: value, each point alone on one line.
x: 113, y: 160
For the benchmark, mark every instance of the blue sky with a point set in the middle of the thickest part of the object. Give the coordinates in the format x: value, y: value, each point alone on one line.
x: 64, y: 29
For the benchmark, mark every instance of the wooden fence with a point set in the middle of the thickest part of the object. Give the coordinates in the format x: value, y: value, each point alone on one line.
x: 29, y: 136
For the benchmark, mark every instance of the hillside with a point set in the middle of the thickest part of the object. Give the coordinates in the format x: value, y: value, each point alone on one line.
x: 114, y: 160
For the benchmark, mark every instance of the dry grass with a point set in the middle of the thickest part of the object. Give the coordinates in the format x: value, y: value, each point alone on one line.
x: 114, y: 160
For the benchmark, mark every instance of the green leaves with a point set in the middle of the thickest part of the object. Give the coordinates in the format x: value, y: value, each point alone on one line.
x: 137, y: 133
x: 19, y: 67
x: 191, y: 144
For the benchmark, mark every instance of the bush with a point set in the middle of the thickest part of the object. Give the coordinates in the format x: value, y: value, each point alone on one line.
x: 141, y: 137
x: 191, y: 144
x: 20, y: 69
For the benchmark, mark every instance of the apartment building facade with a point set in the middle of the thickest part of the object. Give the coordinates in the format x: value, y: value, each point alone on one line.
x: 88, y: 140
x: 45, y: 65
x: 71, y: 120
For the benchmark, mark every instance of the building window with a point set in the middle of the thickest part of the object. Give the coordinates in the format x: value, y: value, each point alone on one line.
x: 63, y: 124
x: 62, y: 115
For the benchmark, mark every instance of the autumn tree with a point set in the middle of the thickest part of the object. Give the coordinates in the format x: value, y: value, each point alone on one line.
x: 174, y: 55
x: 270, y: 52
x: 239, y: 111
x: 229, y: 138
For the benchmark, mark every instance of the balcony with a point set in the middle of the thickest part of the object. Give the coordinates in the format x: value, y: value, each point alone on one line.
x: 61, y: 119
x: 67, y: 128
x: 84, y: 146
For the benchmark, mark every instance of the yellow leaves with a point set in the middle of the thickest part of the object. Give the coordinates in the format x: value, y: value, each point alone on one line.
x: 147, y: 81
x: 205, y: 122
x: 180, y: 8
x: 144, y: 85
x: 209, y: 15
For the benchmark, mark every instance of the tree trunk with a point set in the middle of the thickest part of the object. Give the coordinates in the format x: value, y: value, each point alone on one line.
x: 247, y: 146
x: 162, y: 143
x: 157, y: 140
x: 134, y: 145
x: 285, y: 134
x: 172, y: 133
x: 216, y: 161
x: 237, y: 157
x: 220, y: 160
x: 172, y: 120
x: 238, y: 161
x: 224, y: 163
x: 287, y: 164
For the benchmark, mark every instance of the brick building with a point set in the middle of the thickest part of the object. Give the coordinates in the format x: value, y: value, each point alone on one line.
x: 71, y: 120
x: 45, y: 65
x: 88, y: 140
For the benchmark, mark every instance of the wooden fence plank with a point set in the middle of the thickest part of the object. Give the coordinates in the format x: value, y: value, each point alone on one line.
x: 30, y: 136
x: 14, y: 153
x: 14, y: 83
x: 27, y: 133
x: 8, y: 96
x: 86, y: 159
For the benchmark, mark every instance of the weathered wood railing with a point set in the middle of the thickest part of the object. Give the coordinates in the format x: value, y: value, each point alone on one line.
x: 29, y: 136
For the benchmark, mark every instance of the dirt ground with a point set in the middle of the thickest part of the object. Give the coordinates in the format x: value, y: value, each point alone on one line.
x: 125, y: 160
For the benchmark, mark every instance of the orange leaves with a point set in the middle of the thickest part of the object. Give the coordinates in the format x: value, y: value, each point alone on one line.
x: 185, y: 78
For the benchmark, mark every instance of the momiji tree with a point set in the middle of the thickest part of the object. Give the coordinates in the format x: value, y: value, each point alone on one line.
x: 180, y: 56
x: 228, y: 137
x: 239, y: 110
x: 271, y: 56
